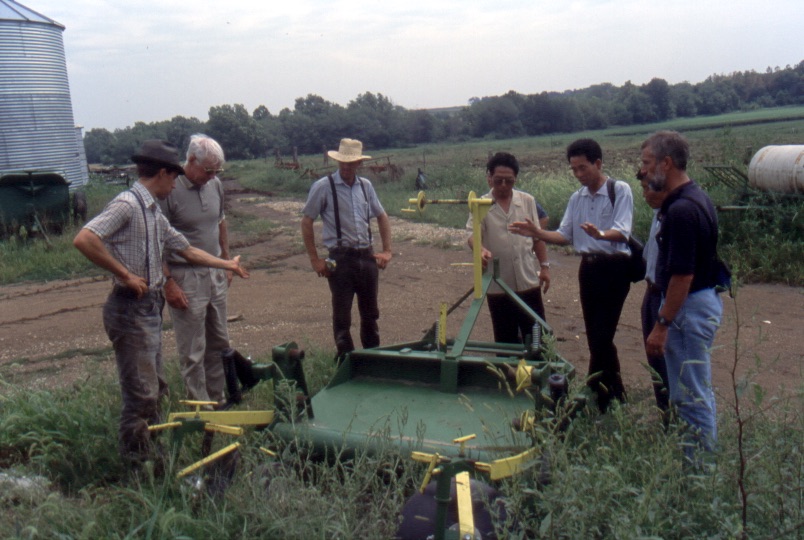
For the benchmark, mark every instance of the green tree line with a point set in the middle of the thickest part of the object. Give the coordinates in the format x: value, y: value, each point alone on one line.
x: 315, y: 124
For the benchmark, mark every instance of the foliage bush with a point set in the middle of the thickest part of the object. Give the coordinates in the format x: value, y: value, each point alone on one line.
x: 763, y: 245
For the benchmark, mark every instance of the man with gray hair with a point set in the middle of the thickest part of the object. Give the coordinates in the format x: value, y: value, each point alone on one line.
x: 686, y: 273
x: 197, y: 294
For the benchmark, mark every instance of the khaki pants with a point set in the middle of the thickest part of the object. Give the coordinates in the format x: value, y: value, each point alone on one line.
x: 201, y: 332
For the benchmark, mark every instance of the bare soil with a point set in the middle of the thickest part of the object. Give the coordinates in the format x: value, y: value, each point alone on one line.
x: 51, y: 334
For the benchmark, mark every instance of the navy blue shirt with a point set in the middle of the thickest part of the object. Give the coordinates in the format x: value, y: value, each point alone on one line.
x: 687, y: 238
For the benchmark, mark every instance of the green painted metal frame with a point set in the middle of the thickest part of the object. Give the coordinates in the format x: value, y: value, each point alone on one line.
x: 428, y: 382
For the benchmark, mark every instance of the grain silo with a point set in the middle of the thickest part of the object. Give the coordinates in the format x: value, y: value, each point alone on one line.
x: 37, y: 130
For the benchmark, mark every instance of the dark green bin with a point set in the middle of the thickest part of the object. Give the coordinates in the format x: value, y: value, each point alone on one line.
x: 34, y: 199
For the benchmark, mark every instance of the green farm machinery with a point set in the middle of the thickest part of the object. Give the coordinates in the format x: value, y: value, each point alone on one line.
x: 461, y: 407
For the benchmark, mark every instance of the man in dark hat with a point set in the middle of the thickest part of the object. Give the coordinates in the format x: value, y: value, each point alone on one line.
x: 127, y: 238
x: 346, y: 204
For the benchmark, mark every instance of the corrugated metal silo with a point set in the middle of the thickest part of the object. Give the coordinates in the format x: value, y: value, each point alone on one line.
x: 37, y: 130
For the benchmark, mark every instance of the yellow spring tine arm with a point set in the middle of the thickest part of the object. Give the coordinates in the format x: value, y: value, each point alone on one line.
x: 434, y: 459
x: 462, y: 441
x: 209, y: 459
x: 442, y: 326
x: 162, y: 427
x: 228, y: 430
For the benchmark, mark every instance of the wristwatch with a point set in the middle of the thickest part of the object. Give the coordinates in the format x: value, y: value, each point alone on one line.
x: 544, y: 264
x: 664, y: 322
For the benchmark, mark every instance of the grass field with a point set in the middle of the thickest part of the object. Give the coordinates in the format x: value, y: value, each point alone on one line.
x: 762, y: 242
x: 618, y: 476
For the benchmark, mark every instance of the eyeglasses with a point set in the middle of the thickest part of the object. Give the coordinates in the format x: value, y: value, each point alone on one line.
x: 210, y: 170
x: 500, y: 181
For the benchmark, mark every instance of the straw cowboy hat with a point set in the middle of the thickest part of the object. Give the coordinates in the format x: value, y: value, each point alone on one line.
x: 350, y: 150
x: 160, y: 153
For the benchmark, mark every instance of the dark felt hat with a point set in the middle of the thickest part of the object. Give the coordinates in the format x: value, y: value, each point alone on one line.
x: 161, y: 153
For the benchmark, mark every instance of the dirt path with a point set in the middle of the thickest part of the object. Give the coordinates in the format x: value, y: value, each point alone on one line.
x: 51, y: 334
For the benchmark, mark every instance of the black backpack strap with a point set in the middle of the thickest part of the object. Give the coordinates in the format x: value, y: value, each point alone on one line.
x: 335, y: 208
x: 610, y: 187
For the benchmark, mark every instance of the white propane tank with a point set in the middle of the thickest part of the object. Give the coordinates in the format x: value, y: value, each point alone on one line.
x: 778, y: 168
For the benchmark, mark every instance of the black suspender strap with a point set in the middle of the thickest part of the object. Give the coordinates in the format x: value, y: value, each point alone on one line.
x: 368, y: 209
x: 335, y: 208
x: 338, y: 213
x: 147, y: 239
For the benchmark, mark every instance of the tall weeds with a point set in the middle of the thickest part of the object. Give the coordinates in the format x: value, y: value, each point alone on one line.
x: 613, y: 476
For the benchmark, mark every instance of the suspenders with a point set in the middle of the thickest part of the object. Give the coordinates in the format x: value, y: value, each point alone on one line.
x: 147, y: 238
x: 337, y: 211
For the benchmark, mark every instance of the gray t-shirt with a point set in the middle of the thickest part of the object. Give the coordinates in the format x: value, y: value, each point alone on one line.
x: 196, y: 212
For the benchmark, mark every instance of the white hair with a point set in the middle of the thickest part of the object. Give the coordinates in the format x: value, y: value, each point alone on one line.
x: 203, y: 146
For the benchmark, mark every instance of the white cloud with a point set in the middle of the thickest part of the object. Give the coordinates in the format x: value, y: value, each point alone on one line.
x: 151, y: 60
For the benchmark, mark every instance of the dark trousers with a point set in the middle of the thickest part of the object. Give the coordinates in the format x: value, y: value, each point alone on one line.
x: 651, y: 303
x: 509, y: 323
x: 355, y: 274
x: 604, y: 285
x: 135, y: 328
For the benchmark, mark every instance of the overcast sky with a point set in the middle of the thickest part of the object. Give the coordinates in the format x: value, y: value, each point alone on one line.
x: 151, y: 60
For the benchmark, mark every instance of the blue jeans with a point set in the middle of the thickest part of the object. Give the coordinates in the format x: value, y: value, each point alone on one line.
x: 689, y: 371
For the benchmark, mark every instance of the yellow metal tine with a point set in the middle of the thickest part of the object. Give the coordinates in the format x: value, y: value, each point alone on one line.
x: 423, y: 457
x: 466, y: 518
x: 507, y: 467
x: 429, y: 474
x: 220, y: 428
x: 269, y: 452
x: 462, y: 441
x: 162, y: 427
x: 209, y: 459
x: 442, y: 325
x: 229, y: 418
x: 483, y: 467
x: 197, y: 404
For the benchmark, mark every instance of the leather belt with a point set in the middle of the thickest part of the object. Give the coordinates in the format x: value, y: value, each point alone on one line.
x: 124, y: 292
x: 352, y: 252
x: 594, y: 257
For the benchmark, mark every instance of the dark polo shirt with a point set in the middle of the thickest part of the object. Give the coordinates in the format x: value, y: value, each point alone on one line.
x: 687, y: 238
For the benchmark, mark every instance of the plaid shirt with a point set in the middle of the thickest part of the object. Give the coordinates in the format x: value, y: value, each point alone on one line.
x: 123, y: 230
